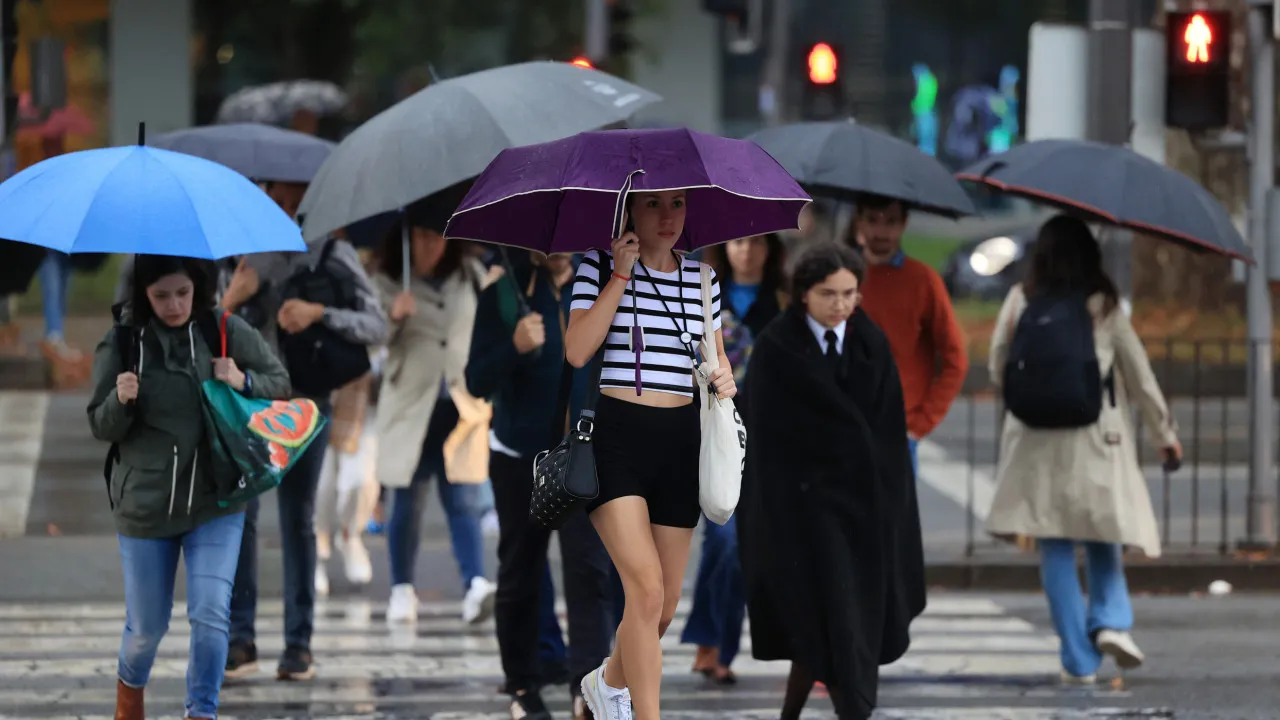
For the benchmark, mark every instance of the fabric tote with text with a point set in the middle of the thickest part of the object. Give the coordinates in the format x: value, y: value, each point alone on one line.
x: 724, y: 436
x: 261, y: 438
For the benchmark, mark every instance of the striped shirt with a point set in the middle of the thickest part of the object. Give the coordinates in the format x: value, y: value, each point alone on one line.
x: 665, y: 363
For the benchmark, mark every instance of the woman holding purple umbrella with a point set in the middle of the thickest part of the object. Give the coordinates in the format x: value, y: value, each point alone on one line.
x: 648, y: 434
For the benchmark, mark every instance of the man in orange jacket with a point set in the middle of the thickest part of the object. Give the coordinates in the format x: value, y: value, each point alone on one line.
x: 909, y: 302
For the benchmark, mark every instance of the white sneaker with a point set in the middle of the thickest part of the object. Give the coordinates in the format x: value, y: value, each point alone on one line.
x: 477, y: 606
x: 403, y: 607
x: 355, y: 561
x: 1120, y: 646
x: 324, y: 545
x: 322, y: 579
x: 1069, y: 679
x: 605, y: 703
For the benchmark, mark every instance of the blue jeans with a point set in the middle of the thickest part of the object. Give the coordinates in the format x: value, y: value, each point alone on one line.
x: 719, y: 603
x: 55, y: 277
x: 296, y: 502
x: 550, y: 637
x: 915, y: 461
x: 1108, y: 609
x: 150, y: 564
x: 463, y: 507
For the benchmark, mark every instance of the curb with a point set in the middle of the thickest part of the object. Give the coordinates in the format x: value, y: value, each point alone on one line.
x: 1163, y: 576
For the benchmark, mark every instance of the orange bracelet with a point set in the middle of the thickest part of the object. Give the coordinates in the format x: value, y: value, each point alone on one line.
x: 623, y: 278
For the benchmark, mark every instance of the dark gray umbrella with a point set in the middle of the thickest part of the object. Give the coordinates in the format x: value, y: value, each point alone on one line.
x: 259, y: 152
x: 448, y: 133
x: 842, y: 159
x: 1115, y: 185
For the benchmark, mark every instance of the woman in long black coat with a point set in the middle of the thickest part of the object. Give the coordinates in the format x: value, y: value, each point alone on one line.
x: 829, y: 529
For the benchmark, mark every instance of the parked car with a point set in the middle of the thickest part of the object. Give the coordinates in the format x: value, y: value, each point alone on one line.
x: 987, y: 267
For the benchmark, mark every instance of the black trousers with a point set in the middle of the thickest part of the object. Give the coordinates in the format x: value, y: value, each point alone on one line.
x: 522, y: 553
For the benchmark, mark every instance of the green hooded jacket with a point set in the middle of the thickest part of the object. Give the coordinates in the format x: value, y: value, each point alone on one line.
x: 164, y: 483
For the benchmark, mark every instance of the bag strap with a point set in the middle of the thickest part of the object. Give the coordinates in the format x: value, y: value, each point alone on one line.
x: 326, y: 251
x: 709, y: 353
x: 566, y: 387
x: 214, y: 329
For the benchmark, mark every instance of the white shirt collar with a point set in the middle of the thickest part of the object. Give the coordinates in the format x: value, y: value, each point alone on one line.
x: 819, y: 331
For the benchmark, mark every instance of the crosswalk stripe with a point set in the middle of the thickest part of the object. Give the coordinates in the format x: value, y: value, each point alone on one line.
x: 62, y: 659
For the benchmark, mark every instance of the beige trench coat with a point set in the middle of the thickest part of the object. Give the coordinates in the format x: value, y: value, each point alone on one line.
x: 429, y: 345
x: 1081, y: 483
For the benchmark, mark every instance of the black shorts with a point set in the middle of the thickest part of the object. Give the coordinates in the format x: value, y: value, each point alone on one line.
x: 651, y: 453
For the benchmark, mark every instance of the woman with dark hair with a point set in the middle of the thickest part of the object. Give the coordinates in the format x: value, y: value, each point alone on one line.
x: 754, y: 292
x: 1072, y: 486
x: 828, y: 523
x: 163, y: 488
x: 422, y: 380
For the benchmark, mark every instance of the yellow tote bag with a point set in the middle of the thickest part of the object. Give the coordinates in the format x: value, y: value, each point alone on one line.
x: 466, y: 450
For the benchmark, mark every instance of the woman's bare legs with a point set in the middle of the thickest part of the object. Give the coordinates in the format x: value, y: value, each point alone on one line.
x: 636, y: 663
x: 673, y: 555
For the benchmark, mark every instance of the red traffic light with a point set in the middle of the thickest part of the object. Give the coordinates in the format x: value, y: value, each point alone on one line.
x: 823, y: 64
x: 582, y: 62
x: 1197, y: 36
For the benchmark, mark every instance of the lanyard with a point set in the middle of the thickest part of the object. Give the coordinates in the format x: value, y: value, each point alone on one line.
x: 686, y: 337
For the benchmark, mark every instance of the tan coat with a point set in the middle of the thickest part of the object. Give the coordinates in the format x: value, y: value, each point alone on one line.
x: 1083, y: 483
x: 431, y: 344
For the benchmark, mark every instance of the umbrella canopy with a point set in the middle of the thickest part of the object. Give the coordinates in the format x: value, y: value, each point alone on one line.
x: 843, y: 159
x: 276, y: 103
x: 259, y: 152
x: 1115, y: 185
x: 136, y: 199
x: 564, y: 196
x: 449, y: 131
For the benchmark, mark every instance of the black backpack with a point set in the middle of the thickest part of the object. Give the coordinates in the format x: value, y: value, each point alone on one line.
x: 126, y: 339
x: 318, y: 359
x: 1052, y: 379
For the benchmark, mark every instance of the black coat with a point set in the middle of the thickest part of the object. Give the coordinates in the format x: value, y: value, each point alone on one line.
x: 828, y: 524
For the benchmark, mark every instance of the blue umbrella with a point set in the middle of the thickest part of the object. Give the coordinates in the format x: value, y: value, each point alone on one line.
x: 137, y: 199
x: 260, y: 152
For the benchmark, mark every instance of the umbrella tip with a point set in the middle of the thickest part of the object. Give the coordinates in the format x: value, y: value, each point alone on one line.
x: 142, y: 133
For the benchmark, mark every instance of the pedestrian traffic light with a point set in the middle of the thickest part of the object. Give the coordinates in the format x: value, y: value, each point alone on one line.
x: 823, y: 64
x: 823, y: 97
x: 1197, y: 69
x: 620, y: 40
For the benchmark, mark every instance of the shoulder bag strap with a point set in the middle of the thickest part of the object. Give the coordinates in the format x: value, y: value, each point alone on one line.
x: 566, y: 385
x: 710, y: 355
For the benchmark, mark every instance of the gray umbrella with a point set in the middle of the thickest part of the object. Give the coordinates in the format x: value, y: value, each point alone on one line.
x: 1114, y: 185
x: 277, y: 102
x: 843, y: 159
x: 259, y: 152
x: 450, y: 131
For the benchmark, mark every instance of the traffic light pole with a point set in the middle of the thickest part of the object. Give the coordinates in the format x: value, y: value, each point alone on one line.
x: 1260, y: 522
x: 775, y: 79
x: 1110, y: 112
x: 596, y: 47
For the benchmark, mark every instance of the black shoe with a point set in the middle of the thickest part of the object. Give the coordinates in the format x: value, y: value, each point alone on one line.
x: 295, y: 664
x: 242, y: 660
x: 529, y: 706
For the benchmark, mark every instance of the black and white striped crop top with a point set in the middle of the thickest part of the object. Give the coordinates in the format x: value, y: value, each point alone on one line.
x: 665, y: 365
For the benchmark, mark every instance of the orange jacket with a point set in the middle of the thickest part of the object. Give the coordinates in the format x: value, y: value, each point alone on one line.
x: 907, y: 299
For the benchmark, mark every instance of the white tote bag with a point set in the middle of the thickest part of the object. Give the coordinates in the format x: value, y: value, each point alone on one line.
x: 724, y: 437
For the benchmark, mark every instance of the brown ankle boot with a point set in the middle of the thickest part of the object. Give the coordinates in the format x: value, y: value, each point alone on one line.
x: 128, y: 702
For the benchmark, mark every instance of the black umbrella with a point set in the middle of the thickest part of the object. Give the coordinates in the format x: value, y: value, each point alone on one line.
x: 21, y: 261
x: 1114, y: 185
x: 843, y: 159
x: 259, y: 152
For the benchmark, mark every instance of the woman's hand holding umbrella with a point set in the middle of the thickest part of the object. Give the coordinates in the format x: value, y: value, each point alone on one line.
x: 126, y: 387
x: 403, y: 306
x: 243, y: 285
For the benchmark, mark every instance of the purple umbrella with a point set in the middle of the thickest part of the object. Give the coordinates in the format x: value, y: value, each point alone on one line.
x: 564, y: 196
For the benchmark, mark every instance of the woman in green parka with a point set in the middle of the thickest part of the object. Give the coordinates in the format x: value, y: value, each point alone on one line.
x: 163, y: 491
